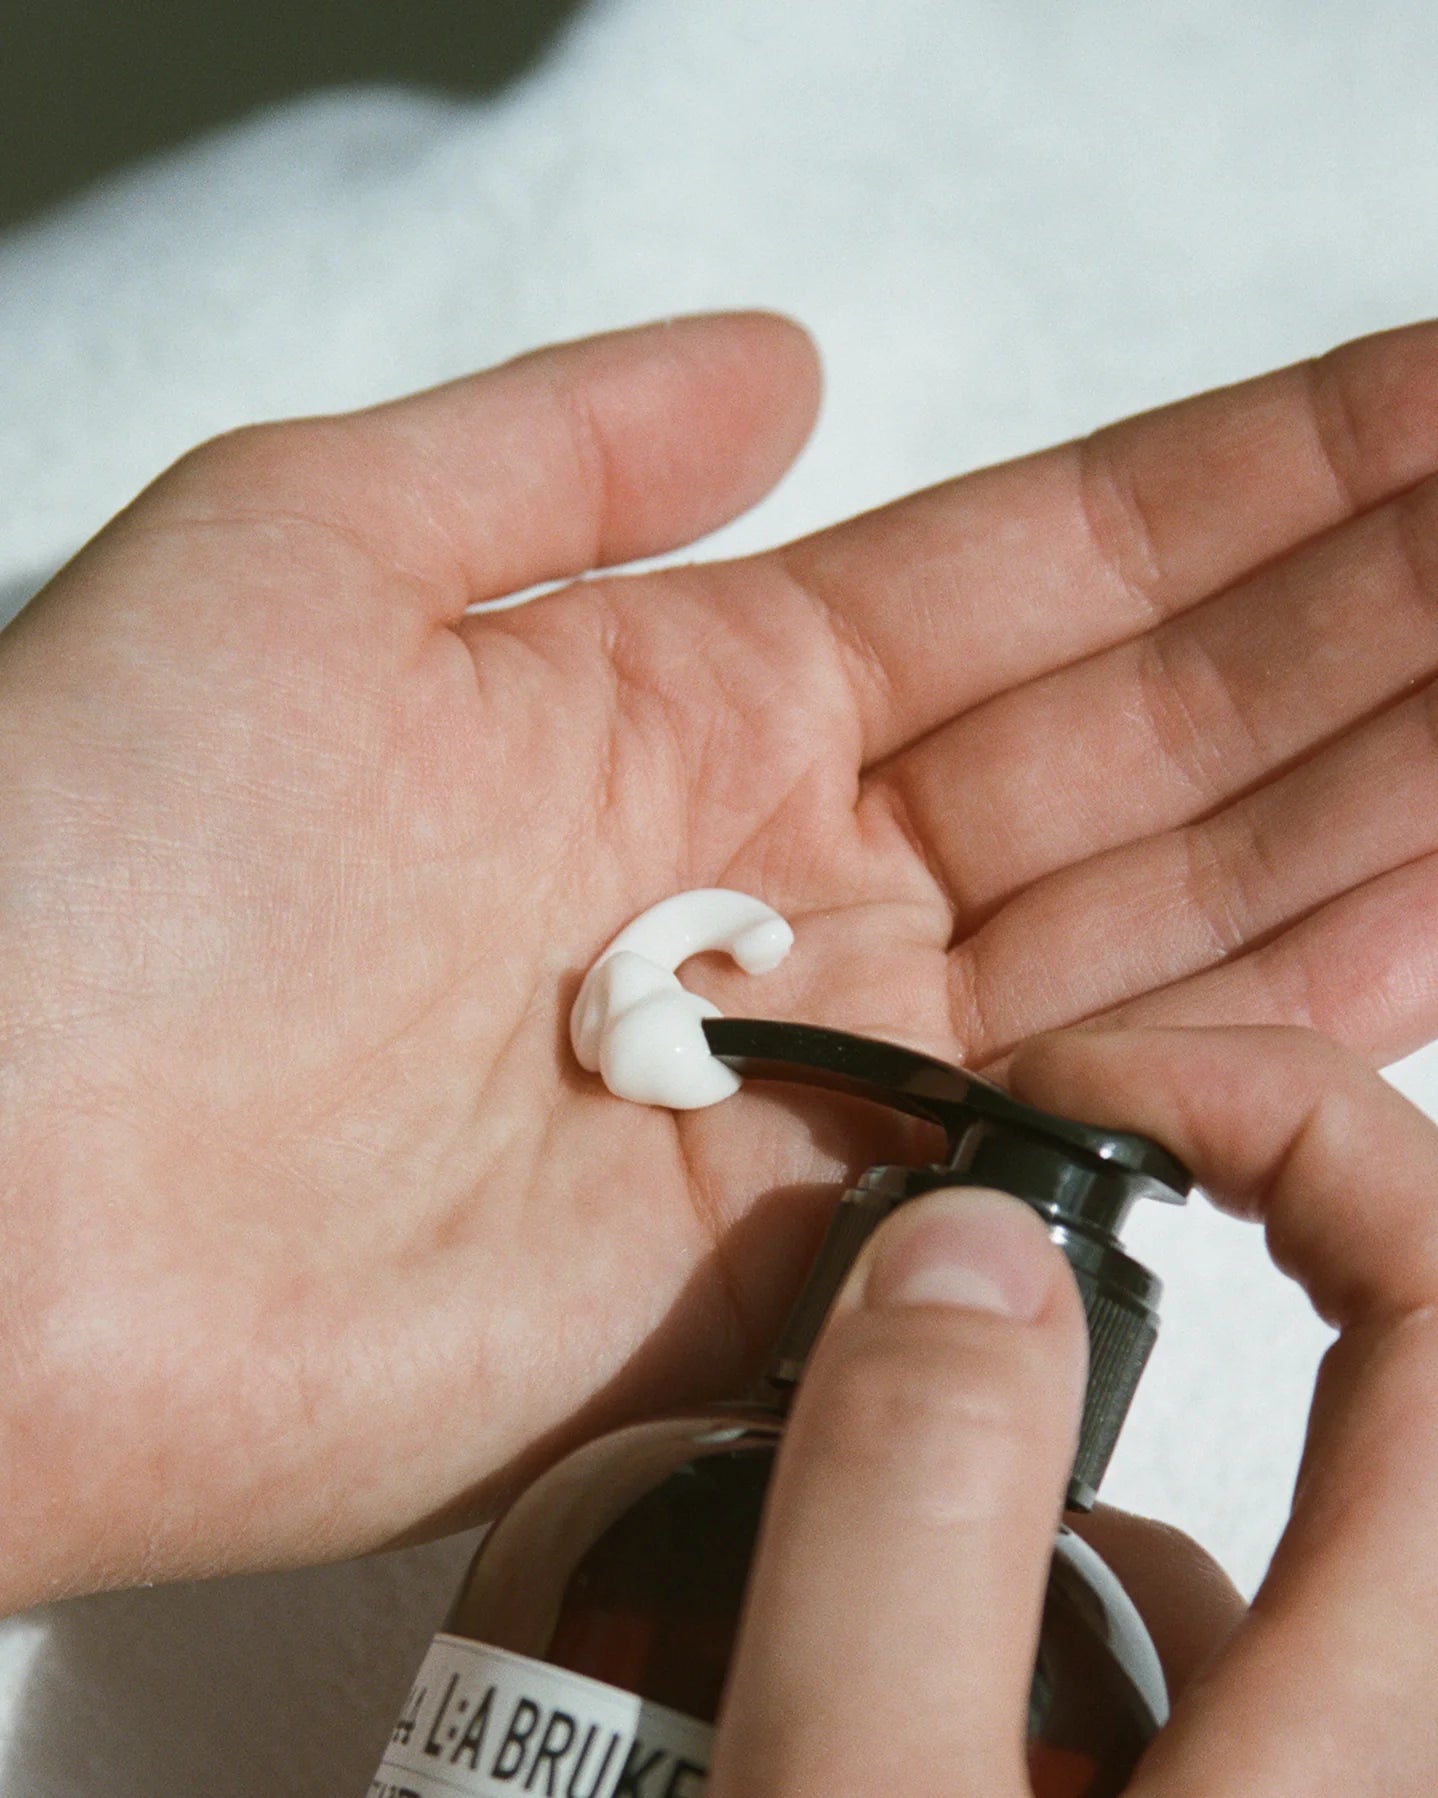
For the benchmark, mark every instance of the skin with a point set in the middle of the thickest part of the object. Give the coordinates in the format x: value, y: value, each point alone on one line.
x: 315, y: 1237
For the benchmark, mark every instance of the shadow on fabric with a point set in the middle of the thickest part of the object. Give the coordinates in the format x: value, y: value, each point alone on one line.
x: 88, y: 85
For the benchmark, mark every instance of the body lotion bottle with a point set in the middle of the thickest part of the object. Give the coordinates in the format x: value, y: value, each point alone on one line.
x: 586, y: 1654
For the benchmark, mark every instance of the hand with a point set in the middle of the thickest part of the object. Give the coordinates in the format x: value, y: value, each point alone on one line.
x: 314, y: 1235
x: 913, y: 1507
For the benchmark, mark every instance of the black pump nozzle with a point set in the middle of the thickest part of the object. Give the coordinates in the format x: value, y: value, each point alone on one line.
x: 1082, y: 1180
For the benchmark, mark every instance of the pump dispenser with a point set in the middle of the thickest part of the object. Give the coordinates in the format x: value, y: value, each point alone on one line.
x: 1083, y: 1181
x: 587, y: 1651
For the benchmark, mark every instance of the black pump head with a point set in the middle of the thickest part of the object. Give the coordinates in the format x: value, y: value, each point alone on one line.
x: 1082, y: 1180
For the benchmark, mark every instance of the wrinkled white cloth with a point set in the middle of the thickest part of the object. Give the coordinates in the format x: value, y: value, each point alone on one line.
x: 1005, y: 221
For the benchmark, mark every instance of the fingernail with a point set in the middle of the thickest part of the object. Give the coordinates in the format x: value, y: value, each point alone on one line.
x: 974, y: 1249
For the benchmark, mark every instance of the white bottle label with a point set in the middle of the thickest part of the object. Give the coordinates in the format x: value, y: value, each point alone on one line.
x: 484, y: 1723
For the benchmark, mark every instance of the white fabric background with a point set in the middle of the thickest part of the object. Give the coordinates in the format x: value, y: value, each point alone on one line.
x: 1005, y: 221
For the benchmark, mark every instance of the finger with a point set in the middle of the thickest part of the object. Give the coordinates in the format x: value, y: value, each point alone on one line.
x: 1326, y: 1688
x: 1362, y: 969
x: 572, y: 458
x: 959, y: 593
x: 1151, y: 914
x: 1189, y: 1605
x: 893, y: 1613
x: 1166, y: 727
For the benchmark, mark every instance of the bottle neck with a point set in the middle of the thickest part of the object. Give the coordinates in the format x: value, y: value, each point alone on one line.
x: 1120, y: 1299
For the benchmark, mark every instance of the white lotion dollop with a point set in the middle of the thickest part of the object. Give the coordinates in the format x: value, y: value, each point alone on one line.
x: 638, y: 1028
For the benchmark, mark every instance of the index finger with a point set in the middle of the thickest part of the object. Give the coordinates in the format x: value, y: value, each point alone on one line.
x: 568, y: 459
x: 1327, y: 1685
x: 961, y: 592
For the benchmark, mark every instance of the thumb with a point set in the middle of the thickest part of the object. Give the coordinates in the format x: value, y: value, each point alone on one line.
x: 889, y: 1638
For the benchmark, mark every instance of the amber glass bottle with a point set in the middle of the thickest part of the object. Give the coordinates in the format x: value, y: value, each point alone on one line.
x: 586, y: 1654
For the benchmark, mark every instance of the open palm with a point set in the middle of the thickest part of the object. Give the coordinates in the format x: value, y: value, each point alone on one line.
x: 314, y: 1234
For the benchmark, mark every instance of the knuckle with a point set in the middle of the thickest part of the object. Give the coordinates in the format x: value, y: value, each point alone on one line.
x: 237, y: 454
x: 262, y: 464
x: 1121, y: 520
